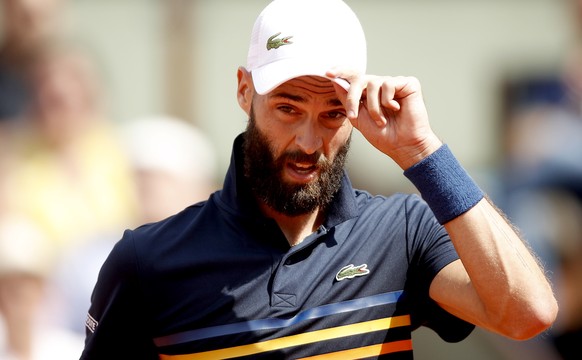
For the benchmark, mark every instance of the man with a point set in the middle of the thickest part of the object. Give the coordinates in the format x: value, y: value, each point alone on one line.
x: 288, y: 260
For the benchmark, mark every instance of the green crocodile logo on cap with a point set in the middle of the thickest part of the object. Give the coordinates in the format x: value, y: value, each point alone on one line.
x: 351, y: 271
x: 274, y: 43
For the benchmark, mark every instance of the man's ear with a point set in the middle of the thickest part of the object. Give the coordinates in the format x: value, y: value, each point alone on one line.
x: 245, y: 89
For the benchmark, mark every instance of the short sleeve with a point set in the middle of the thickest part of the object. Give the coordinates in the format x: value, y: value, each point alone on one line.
x: 430, y: 250
x: 117, y: 325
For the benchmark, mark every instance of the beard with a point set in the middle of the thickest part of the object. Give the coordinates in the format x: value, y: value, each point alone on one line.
x: 264, y: 173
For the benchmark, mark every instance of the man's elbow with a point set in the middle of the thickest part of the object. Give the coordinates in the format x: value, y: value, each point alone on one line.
x: 534, y: 321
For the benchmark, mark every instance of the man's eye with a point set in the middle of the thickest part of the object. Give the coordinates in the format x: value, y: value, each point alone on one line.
x: 286, y: 109
x: 334, y: 119
x: 336, y: 115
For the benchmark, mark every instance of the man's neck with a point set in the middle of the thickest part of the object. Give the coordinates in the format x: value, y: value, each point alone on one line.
x: 295, y: 228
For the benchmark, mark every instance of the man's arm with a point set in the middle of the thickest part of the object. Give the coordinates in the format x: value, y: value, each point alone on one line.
x: 497, y: 283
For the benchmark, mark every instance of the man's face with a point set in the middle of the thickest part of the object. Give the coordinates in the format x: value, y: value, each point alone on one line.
x: 296, y: 146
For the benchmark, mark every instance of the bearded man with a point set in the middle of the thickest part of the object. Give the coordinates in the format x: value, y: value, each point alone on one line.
x: 288, y: 260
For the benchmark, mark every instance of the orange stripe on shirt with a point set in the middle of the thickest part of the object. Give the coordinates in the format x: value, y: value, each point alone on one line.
x: 366, y: 351
x: 296, y: 340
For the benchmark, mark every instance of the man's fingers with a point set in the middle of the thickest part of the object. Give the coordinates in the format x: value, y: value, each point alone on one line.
x: 354, y: 93
x: 382, y: 97
x: 353, y: 98
x: 373, y: 104
x: 348, y: 75
x: 387, y: 94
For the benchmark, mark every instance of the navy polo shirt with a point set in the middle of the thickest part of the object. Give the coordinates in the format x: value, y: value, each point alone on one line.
x: 219, y: 280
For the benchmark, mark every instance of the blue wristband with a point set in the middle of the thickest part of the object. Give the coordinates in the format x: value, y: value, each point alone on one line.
x: 443, y: 183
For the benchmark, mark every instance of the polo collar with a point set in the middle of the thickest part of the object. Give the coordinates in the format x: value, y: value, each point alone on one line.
x: 236, y: 194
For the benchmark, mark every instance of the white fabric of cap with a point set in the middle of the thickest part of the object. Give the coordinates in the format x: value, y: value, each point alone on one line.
x: 323, y: 34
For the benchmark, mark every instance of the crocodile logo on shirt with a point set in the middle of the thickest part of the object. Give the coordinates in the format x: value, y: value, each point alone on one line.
x: 350, y: 271
x: 274, y: 43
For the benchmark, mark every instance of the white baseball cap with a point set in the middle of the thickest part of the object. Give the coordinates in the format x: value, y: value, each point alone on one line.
x: 293, y: 38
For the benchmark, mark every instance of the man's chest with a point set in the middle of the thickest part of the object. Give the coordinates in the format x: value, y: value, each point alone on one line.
x: 334, y: 292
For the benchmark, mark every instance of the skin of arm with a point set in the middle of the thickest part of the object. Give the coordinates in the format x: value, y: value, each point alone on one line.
x: 497, y: 284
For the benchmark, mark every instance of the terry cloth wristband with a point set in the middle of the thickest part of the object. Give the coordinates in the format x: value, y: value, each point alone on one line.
x: 444, y: 184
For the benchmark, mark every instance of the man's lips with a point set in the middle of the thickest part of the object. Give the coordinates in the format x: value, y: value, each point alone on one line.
x: 301, y: 171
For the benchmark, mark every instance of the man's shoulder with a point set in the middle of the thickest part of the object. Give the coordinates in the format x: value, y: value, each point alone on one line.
x: 170, y: 226
x: 365, y: 198
x: 390, y: 207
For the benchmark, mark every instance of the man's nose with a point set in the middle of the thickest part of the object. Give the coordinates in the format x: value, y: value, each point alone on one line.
x: 307, y: 139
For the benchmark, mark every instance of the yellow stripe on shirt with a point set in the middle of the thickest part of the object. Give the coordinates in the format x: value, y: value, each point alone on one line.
x: 296, y: 340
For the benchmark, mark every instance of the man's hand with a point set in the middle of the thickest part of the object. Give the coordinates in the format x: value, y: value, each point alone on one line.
x: 390, y: 113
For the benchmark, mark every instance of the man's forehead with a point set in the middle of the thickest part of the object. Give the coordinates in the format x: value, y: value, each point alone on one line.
x: 304, y: 88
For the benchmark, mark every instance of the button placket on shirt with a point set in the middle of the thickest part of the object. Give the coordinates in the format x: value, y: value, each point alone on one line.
x: 287, y: 279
